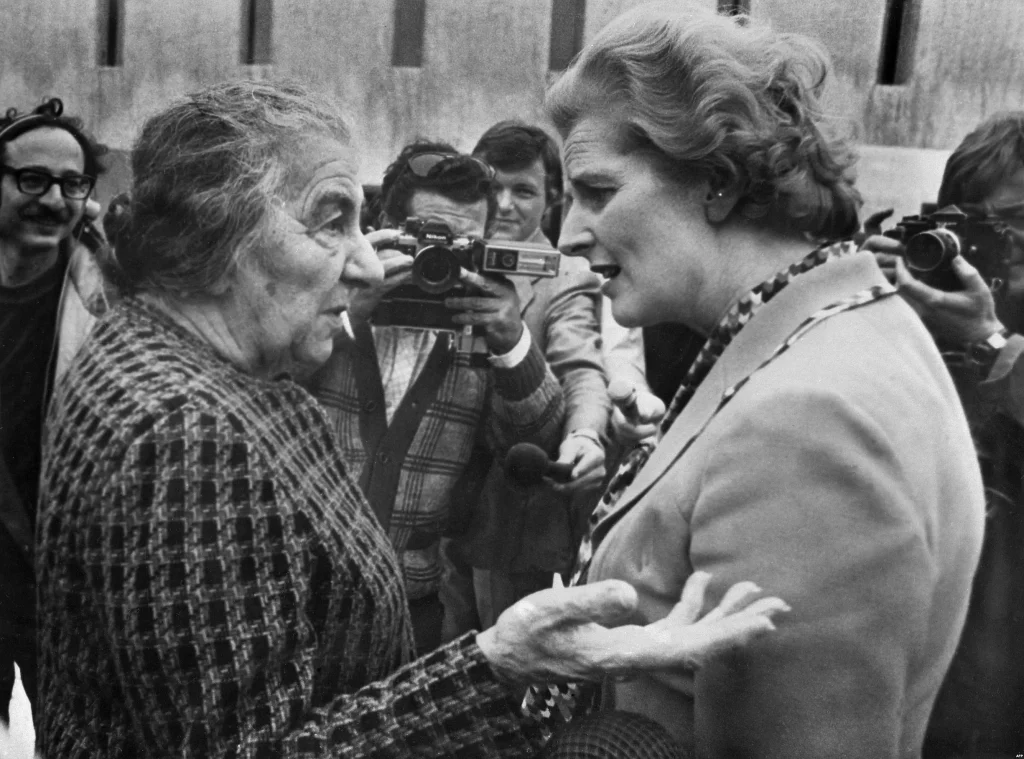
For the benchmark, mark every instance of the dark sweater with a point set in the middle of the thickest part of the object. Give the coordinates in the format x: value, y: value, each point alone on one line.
x: 28, y: 322
x: 213, y: 583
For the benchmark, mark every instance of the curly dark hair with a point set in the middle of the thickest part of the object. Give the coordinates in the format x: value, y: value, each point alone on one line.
x: 985, y: 158
x: 513, y: 145
x: 50, y: 114
x: 463, y: 184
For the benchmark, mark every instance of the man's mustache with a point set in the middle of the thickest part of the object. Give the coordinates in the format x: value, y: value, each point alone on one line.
x: 46, y: 215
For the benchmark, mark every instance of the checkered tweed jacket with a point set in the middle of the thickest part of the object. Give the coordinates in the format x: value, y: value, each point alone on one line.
x: 213, y: 584
x: 494, y: 407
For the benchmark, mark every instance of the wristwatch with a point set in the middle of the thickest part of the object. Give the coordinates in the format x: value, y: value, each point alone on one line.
x: 984, y: 353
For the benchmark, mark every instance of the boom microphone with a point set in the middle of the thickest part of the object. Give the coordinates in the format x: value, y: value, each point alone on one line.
x: 527, y: 465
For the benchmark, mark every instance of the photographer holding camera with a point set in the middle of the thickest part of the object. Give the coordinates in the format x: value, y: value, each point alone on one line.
x: 977, y: 320
x: 414, y: 407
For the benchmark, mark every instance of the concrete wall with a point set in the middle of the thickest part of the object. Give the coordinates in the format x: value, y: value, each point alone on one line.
x: 485, y: 60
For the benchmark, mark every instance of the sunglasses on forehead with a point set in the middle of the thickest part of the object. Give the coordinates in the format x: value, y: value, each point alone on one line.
x: 437, y: 165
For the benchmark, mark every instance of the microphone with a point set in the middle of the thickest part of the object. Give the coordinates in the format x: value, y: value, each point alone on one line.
x: 527, y: 465
x: 623, y: 395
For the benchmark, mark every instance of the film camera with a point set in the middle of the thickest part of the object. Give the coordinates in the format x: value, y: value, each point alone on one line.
x: 932, y: 241
x: 438, y: 260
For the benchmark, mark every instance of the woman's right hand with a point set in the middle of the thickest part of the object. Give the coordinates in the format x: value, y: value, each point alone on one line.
x: 397, y: 271
x: 563, y: 634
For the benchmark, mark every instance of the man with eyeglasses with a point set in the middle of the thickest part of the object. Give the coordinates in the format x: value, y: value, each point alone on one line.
x: 415, y: 412
x: 48, y: 284
x: 980, y: 708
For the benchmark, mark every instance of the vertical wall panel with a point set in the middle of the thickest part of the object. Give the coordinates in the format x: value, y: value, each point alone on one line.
x: 110, y: 32
x: 410, y: 25
x: 482, y: 60
x: 256, y: 32
x: 568, y: 18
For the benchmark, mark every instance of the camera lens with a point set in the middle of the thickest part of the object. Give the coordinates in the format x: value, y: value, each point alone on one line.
x: 436, y: 269
x: 931, y: 250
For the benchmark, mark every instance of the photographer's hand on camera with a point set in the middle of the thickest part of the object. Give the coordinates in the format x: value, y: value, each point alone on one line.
x: 887, y: 252
x: 962, y: 317
x: 492, y: 305
x: 397, y: 269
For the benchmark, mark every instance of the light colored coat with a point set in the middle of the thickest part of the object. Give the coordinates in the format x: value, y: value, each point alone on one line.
x: 840, y: 478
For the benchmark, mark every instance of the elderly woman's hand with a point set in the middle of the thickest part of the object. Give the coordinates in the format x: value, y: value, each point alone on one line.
x: 563, y: 634
x: 397, y: 271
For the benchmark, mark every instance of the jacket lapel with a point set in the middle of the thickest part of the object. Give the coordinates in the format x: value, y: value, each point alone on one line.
x: 755, y: 343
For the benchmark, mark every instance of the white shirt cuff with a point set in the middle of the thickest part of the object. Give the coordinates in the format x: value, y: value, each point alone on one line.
x: 516, y: 356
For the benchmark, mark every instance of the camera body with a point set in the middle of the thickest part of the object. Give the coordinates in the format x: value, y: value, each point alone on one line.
x: 932, y: 241
x: 439, y: 257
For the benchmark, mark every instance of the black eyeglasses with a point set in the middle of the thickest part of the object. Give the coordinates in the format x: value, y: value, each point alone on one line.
x: 35, y: 182
x: 435, y: 165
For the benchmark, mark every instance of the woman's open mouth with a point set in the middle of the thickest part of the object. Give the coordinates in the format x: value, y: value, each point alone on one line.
x: 608, y: 271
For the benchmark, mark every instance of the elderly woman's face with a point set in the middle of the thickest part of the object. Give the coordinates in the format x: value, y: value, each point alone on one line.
x: 647, y: 235
x: 291, y: 297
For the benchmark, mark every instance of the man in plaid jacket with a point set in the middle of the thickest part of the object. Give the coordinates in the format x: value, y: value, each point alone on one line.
x: 409, y: 408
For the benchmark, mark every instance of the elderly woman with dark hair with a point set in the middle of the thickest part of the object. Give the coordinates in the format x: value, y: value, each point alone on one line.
x: 212, y: 583
x: 817, y: 444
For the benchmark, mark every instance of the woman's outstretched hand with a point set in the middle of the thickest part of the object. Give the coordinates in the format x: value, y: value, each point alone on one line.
x: 565, y: 634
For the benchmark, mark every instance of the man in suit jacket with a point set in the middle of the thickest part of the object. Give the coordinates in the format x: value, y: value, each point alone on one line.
x: 841, y: 477
x: 515, y: 538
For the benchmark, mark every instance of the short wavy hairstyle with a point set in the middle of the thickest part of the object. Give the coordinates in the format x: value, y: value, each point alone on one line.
x: 208, y: 173
x: 720, y: 98
x: 462, y: 184
x: 986, y: 158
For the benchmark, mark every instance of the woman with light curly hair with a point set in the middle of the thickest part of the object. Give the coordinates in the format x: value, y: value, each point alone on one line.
x: 817, y: 445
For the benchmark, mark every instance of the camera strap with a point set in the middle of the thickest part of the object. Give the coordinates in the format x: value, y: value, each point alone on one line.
x: 387, y: 445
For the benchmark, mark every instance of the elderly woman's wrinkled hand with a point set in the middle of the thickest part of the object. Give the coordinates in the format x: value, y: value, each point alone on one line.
x: 397, y: 271
x: 567, y: 634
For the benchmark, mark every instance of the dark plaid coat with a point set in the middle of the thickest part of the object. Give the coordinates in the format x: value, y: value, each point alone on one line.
x: 213, y: 584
